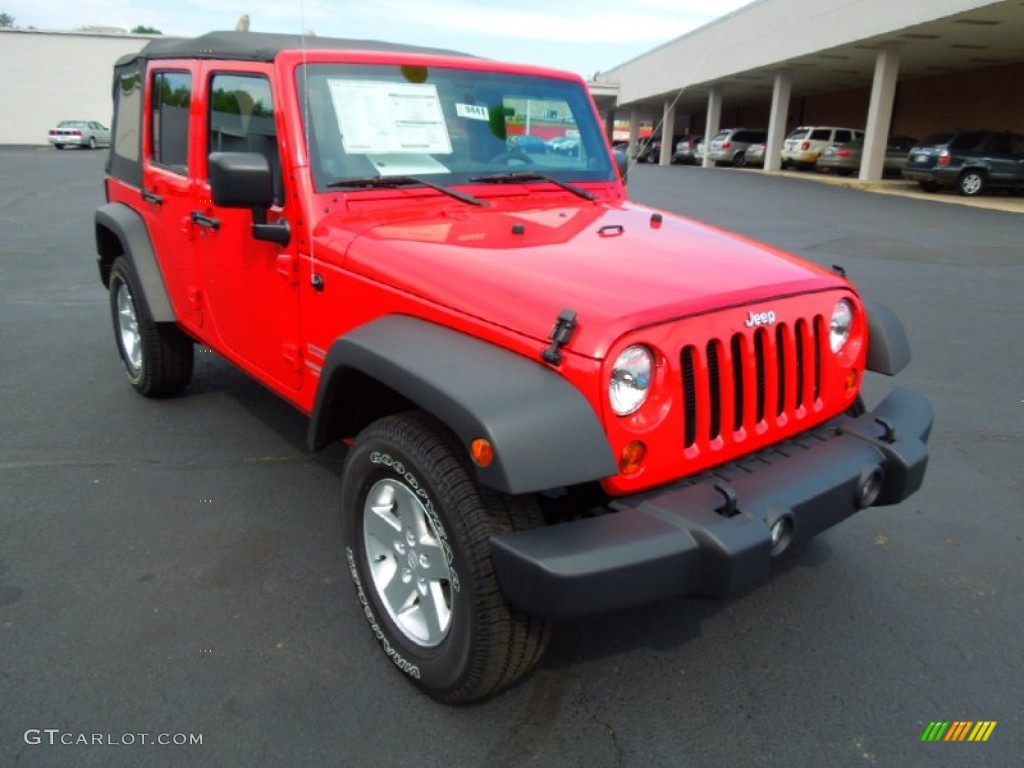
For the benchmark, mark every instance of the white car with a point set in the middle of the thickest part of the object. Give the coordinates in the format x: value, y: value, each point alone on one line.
x: 802, y: 147
x: 79, y: 133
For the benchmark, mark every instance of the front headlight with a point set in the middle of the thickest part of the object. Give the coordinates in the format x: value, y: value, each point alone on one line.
x: 630, y: 379
x: 841, y: 325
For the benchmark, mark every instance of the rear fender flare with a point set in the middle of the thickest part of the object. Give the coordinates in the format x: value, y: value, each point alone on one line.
x: 122, y: 231
x: 544, y: 432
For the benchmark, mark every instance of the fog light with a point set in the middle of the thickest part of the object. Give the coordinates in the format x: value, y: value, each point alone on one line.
x: 869, y: 488
x: 782, y: 534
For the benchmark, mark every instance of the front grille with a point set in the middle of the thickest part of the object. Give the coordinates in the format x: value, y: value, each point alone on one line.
x: 751, y: 381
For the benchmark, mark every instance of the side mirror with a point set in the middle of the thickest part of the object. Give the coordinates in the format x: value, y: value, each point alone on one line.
x: 622, y: 160
x: 244, y: 180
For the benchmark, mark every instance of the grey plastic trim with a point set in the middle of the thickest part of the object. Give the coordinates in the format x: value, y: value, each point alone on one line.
x: 129, y: 227
x: 888, y: 347
x: 544, y: 431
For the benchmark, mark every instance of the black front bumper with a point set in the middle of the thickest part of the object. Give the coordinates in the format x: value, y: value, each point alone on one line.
x: 713, y: 536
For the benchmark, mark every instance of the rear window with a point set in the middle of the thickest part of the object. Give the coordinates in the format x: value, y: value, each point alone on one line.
x: 798, y: 133
x: 936, y: 139
x: 721, y: 136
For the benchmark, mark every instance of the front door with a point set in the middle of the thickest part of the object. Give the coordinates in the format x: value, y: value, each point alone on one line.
x: 251, y: 286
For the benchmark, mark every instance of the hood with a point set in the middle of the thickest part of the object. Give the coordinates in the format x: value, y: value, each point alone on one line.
x: 620, y: 267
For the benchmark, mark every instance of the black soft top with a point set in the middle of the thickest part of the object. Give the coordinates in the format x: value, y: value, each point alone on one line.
x: 262, y: 46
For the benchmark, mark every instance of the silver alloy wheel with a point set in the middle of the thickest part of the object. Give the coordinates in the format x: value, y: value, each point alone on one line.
x: 407, y: 562
x: 971, y: 183
x: 128, y: 327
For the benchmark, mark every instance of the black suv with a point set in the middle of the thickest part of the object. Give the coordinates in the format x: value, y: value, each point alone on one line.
x: 969, y: 161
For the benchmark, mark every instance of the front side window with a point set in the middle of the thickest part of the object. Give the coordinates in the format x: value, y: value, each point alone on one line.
x: 241, y: 119
x: 368, y: 121
x: 169, y: 131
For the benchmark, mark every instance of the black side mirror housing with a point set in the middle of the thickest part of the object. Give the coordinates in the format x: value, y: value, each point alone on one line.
x: 244, y: 180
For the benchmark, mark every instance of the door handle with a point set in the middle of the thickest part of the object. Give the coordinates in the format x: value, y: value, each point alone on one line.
x: 152, y: 197
x: 205, y: 221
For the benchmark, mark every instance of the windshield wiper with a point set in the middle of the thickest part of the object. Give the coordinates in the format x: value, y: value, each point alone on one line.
x: 515, y: 178
x: 384, y: 182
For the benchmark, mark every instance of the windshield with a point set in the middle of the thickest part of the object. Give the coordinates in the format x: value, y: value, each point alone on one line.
x: 449, y: 125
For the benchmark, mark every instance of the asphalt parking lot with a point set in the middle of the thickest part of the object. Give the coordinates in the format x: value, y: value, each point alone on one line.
x: 172, y: 568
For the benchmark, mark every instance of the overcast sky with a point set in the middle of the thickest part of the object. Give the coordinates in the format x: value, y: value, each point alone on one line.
x: 583, y: 36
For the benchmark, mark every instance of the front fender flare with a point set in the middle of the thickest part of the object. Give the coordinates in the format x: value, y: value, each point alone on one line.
x: 544, y: 431
x: 888, y: 348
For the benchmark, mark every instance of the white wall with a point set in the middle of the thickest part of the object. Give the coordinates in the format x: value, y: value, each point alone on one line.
x: 46, y: 77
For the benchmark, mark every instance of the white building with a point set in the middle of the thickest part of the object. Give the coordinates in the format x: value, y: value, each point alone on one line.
x: 899, y: 67
x: 46, y: 77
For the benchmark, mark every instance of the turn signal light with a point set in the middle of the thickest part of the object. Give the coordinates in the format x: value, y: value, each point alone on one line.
x: 482, y: 452
x: 632, y: 457
x: 851, y: 382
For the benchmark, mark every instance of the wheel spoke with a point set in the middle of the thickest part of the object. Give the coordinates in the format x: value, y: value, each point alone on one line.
x: 433, y: 565
x: 399, y: 593
x: 436, y: 612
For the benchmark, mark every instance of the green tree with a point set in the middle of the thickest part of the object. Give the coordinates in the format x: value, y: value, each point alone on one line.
x: 6, y: 20
x: 142, y: 29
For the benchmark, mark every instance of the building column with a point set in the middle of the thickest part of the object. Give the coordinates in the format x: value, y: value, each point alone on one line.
x: 609, y: 123
x: 777, y: 120
x: 712, y: 124
x: 883, y: 92
x: 634, y: 133
x: 668, y: 129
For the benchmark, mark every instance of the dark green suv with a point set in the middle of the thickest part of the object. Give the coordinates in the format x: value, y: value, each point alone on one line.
x: 969, y: 161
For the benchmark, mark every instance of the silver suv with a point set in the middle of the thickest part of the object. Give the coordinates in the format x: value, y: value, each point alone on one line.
x: 730, y: 145
x: 802, y: 147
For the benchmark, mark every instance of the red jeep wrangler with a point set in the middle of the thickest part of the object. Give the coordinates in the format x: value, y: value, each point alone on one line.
x: 558, y: 403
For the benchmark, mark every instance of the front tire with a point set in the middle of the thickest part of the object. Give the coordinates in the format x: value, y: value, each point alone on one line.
x: 417, y: 531
x: 157, y: 357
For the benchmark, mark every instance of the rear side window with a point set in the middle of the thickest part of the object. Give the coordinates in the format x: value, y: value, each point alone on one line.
x: 843, y: 136
x: 171, y: 100
x: 1001, y: 144
x: 967, y: 141
x: 127, y: 117
x: 821, y: 134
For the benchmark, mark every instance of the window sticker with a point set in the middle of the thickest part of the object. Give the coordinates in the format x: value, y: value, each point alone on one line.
x: 383, y: 118
x: 472, y: 112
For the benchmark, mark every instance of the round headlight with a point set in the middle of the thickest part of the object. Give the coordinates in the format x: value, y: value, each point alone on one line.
x: 841, y: 325
x: 630, y: 380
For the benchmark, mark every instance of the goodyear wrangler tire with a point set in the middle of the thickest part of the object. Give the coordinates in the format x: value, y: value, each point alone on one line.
x: 417, y: 533
x: 157, y: 357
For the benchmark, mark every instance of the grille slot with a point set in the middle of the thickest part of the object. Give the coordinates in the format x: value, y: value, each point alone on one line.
x: 738, y: 384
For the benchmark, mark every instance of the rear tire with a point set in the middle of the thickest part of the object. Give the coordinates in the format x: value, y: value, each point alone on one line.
x: 928, y: 186
x: 58, y: 146
x: 740, y: 161
x: 971, y: 183
x: 417, y: 530
x: 92, y: 142
x: 157, y: 357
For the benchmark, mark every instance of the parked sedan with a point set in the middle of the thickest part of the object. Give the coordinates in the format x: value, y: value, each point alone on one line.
x: 79, y: 133
x: 845, y: 159
x: 526, y: 142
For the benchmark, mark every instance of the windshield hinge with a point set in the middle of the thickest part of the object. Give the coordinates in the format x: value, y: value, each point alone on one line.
x: 561, y: 334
